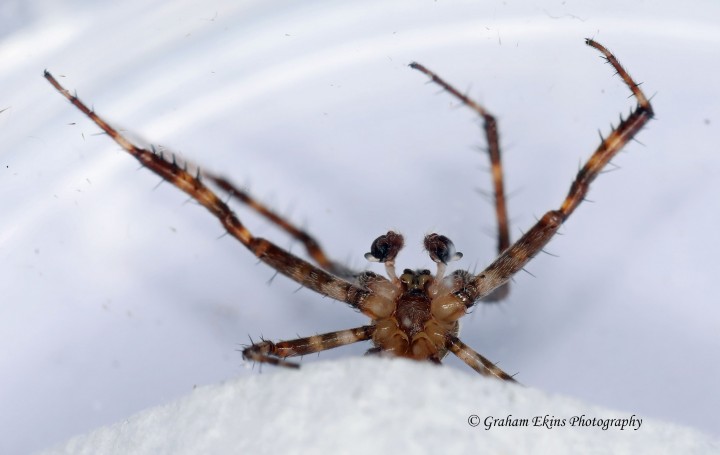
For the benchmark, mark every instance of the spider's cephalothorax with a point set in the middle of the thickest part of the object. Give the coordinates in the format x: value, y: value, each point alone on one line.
x: 413, y: 313
x: 416, y: 314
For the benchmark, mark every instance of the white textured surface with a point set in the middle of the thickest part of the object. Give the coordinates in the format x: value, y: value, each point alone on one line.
x: 116, y: 296
x: 362, y: 406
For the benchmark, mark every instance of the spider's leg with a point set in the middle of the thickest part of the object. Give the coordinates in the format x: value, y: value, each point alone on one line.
x: 476, y: 361
x: 299, y: 270
x: 493, y: 141
x: 275, y: 353
x: 517, y: 255
x: 311, y: 245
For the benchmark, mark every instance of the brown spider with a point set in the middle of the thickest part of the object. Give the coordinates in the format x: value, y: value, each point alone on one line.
x: 414, y: 315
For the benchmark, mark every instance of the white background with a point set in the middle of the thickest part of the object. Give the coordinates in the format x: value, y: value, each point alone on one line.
x: 117, y: 294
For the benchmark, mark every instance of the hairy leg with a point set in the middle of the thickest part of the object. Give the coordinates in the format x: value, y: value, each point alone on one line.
x: 275, y: 353
x: 493, y: 141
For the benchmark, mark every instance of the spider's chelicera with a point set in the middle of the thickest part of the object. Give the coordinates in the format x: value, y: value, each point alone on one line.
x: 415, y: 314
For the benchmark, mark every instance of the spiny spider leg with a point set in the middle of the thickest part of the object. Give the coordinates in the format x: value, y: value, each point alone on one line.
x: 476, y: 361
x: 515, y: 257
x: 286, y: 263
x: 312, y: 246
x: 275, y: 353
x: 414, y: 314
x: 493, y: 141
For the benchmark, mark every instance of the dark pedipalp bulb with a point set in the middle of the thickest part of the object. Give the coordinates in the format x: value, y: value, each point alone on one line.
x: 441, y: 249
x: 385, y: 248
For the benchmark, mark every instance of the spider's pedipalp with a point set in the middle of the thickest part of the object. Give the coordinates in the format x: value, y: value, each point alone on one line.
x: 385, y: 249
x: 441, y: 249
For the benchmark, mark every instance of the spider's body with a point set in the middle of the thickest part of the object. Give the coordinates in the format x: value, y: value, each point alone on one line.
x: 414, y: 315
x: 417, y: 326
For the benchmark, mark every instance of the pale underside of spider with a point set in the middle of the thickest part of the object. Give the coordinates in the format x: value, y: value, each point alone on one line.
x: 414, y: 315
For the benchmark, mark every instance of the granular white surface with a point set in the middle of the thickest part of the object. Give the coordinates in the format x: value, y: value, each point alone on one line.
x: 365, y: 405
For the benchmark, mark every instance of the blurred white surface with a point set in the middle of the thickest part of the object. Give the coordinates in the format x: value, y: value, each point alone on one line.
x: 118, y: 295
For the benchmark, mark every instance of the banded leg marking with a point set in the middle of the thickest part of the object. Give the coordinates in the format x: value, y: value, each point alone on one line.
x: 276, y: 353
x: 312, y: 246
x: 517, y: 256
x: 493, y: 141
x: 476, y: 361
x: 286, y: 263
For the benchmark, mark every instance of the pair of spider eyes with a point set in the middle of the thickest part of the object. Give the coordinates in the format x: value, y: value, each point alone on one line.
x: 386, y: 247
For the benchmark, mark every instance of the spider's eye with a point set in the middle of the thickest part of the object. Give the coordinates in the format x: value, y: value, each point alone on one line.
x: 441, y: 249
x: 385, y: 248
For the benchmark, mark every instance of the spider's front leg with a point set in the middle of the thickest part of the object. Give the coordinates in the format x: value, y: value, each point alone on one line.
x: 275, y: 353
x: 297, y: 269
x: 493, y: 149
x: 515, y: 257
x: 312, y: 246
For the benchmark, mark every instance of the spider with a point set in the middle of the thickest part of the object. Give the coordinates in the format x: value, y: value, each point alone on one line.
x: 413, y: 314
